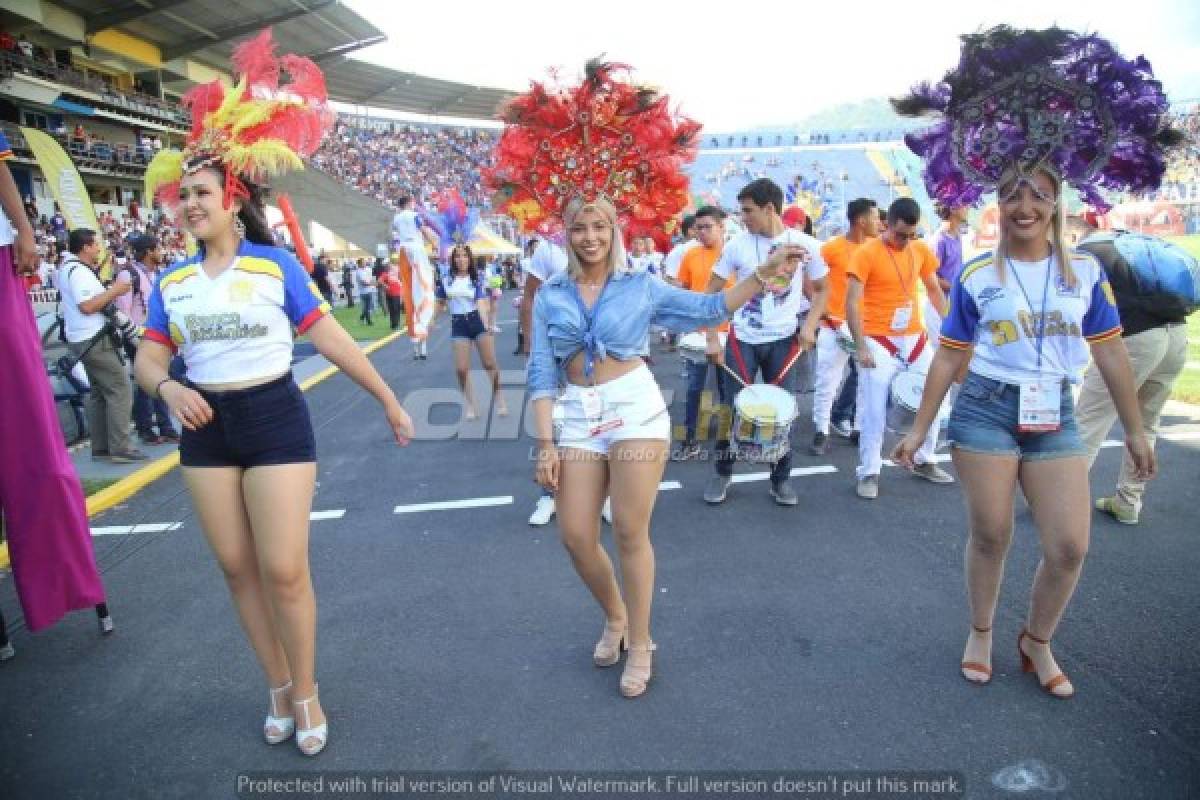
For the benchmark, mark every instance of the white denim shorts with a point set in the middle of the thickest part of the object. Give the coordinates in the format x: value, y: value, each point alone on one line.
x: 631, y: 407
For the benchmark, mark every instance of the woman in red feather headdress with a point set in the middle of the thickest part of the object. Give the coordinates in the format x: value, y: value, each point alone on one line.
x: 248, y: 451
x: 604, y: 159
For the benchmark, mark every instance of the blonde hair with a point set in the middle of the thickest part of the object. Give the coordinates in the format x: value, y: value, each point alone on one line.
x: 1058, y: 228
x: 616, y: 253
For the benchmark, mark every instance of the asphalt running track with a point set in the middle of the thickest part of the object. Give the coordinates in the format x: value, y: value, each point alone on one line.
x: 825, y: 637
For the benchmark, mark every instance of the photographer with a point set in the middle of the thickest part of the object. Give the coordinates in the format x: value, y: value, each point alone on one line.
x: 92, y: 339
x: 148, y: 412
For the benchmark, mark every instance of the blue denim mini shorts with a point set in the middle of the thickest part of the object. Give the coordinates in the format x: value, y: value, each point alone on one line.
x: 256, y: 427
x: 984, y: 420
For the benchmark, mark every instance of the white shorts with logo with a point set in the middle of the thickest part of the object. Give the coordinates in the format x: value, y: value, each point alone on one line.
x: 630, y: 407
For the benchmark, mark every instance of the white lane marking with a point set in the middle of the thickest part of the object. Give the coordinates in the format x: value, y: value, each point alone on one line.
x: 938, y: 458
x: 158, y: 527
x: 1182, y: 436
x: 449, y: 505
x: 316, y: 516
x: 798, y: 472
x: 667, y: 486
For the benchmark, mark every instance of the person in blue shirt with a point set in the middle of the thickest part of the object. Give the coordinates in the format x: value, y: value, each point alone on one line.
x: 590, y: 327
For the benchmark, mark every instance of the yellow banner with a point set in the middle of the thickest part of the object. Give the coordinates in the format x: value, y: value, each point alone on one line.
x: 66, y: 185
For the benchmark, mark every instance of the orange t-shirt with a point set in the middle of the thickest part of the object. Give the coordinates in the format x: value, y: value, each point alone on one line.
x: 836, y: 253
x: 695, y: 271
x: 890, y: 281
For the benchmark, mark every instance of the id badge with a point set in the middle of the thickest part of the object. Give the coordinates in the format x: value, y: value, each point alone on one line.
x: 600, y: 418
x: 902, y: 317
x: 1040, y: 407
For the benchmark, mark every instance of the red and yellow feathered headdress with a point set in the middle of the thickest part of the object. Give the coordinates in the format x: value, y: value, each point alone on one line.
x: 258, y: 129
x: 606, y: 136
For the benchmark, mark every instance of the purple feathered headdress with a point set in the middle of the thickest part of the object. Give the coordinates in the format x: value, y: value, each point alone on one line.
x: 1050, y: 98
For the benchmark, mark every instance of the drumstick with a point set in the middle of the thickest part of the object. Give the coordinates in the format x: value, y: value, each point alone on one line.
x: 736, y: 377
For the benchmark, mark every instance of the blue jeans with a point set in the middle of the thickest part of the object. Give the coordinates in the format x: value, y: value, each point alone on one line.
x: 697, y: 379
x: 769, y: 359
x: 150, y: 413
x: 843, y: 406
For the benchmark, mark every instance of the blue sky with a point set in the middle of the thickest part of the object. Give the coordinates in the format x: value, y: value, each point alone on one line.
x: 740, y: 65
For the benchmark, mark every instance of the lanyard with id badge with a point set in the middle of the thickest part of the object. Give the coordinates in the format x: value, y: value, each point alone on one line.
x: 1040, y: 407
x: 902, y: 316
x: 600, y: 417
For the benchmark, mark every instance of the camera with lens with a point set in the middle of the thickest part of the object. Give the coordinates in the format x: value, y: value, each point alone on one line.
x: 124, y: 330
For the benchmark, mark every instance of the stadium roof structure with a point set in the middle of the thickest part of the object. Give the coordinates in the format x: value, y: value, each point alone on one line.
x: 326, y: 31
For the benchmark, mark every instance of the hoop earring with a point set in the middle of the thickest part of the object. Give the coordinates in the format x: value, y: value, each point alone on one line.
x: 239, y: 227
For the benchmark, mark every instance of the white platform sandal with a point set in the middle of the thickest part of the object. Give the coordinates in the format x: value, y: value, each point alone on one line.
x: 310, y: 740
x: 278, y: 729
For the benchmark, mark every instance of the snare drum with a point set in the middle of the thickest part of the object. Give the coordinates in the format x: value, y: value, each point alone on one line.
x: 905, y: 399
x: 762, y: 422
x: 693, y: 346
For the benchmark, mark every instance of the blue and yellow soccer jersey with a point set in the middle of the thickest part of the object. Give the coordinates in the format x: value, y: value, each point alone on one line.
x: 238, y: 326
x: 1002, y: 319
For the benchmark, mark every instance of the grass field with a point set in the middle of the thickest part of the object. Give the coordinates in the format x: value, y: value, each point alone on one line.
x: 1187, y: 389
x: 93, y: 485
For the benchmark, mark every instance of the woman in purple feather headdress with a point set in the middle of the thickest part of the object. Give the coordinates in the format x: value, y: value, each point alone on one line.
x: 1024, y: 114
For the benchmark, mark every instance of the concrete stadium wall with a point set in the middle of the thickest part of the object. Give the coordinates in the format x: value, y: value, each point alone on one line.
x: 350, y: 214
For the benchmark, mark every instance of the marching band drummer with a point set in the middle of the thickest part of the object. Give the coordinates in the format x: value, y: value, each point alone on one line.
x: 616, y: 168
x: 883, y: 312
x: 1024, y: 319
x: 766, y: 336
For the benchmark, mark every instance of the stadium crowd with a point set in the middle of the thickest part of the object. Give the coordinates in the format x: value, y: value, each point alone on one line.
x: 407, y: 160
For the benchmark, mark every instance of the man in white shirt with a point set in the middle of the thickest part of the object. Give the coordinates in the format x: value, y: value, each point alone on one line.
x: 91, y: 340
x: 364, y: 285
x: 765, y: 335
x: 675, y: 257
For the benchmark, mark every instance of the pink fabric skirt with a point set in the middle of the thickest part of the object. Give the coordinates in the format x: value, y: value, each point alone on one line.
x: 49, y: 542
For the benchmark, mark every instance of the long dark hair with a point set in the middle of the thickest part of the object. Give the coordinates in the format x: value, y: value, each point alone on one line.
x: 472, y: 272
x: 253, y: 214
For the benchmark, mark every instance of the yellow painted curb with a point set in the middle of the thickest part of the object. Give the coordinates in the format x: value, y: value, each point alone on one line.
x: 134, y: 482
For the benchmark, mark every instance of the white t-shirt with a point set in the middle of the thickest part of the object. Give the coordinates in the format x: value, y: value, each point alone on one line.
x: 405, y: 227
x: 675, y: 258
x: 77, y: 282
x: 237, y: 326
x: 769, y: 316
x: 548, y: 260
x: 364, y: 281
x: 1000, y: 319
x: 462, y: 295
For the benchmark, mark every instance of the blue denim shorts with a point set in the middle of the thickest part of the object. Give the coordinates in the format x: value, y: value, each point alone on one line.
x: 256, y: 427
x: 467, y: 326
x: 984, y: 420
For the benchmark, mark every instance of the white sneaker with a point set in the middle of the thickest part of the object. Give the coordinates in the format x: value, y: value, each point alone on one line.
x: 543, y: 512
x: 606, y: 510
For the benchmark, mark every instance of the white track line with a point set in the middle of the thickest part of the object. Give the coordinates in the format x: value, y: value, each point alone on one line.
x: 667, y: 486
x: 449, y: 505
x: 797, y: 472
x: 316, y: 516
x: 160, y: 527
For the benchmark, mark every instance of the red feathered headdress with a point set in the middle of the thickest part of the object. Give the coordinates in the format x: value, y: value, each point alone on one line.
x: 256, y: 130
x: 605, y: 136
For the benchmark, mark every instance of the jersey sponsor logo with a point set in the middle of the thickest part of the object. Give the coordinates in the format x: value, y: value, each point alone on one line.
x: 223, y: 326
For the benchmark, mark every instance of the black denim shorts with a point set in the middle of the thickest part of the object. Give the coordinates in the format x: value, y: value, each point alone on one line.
x: 255, y: 427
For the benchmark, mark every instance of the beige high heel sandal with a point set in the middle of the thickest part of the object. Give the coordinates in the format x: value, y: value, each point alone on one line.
x: 608, y: 649
x: 636, y: 677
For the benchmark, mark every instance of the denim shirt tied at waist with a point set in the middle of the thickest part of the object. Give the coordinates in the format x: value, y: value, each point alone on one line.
x: 620, y: 322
